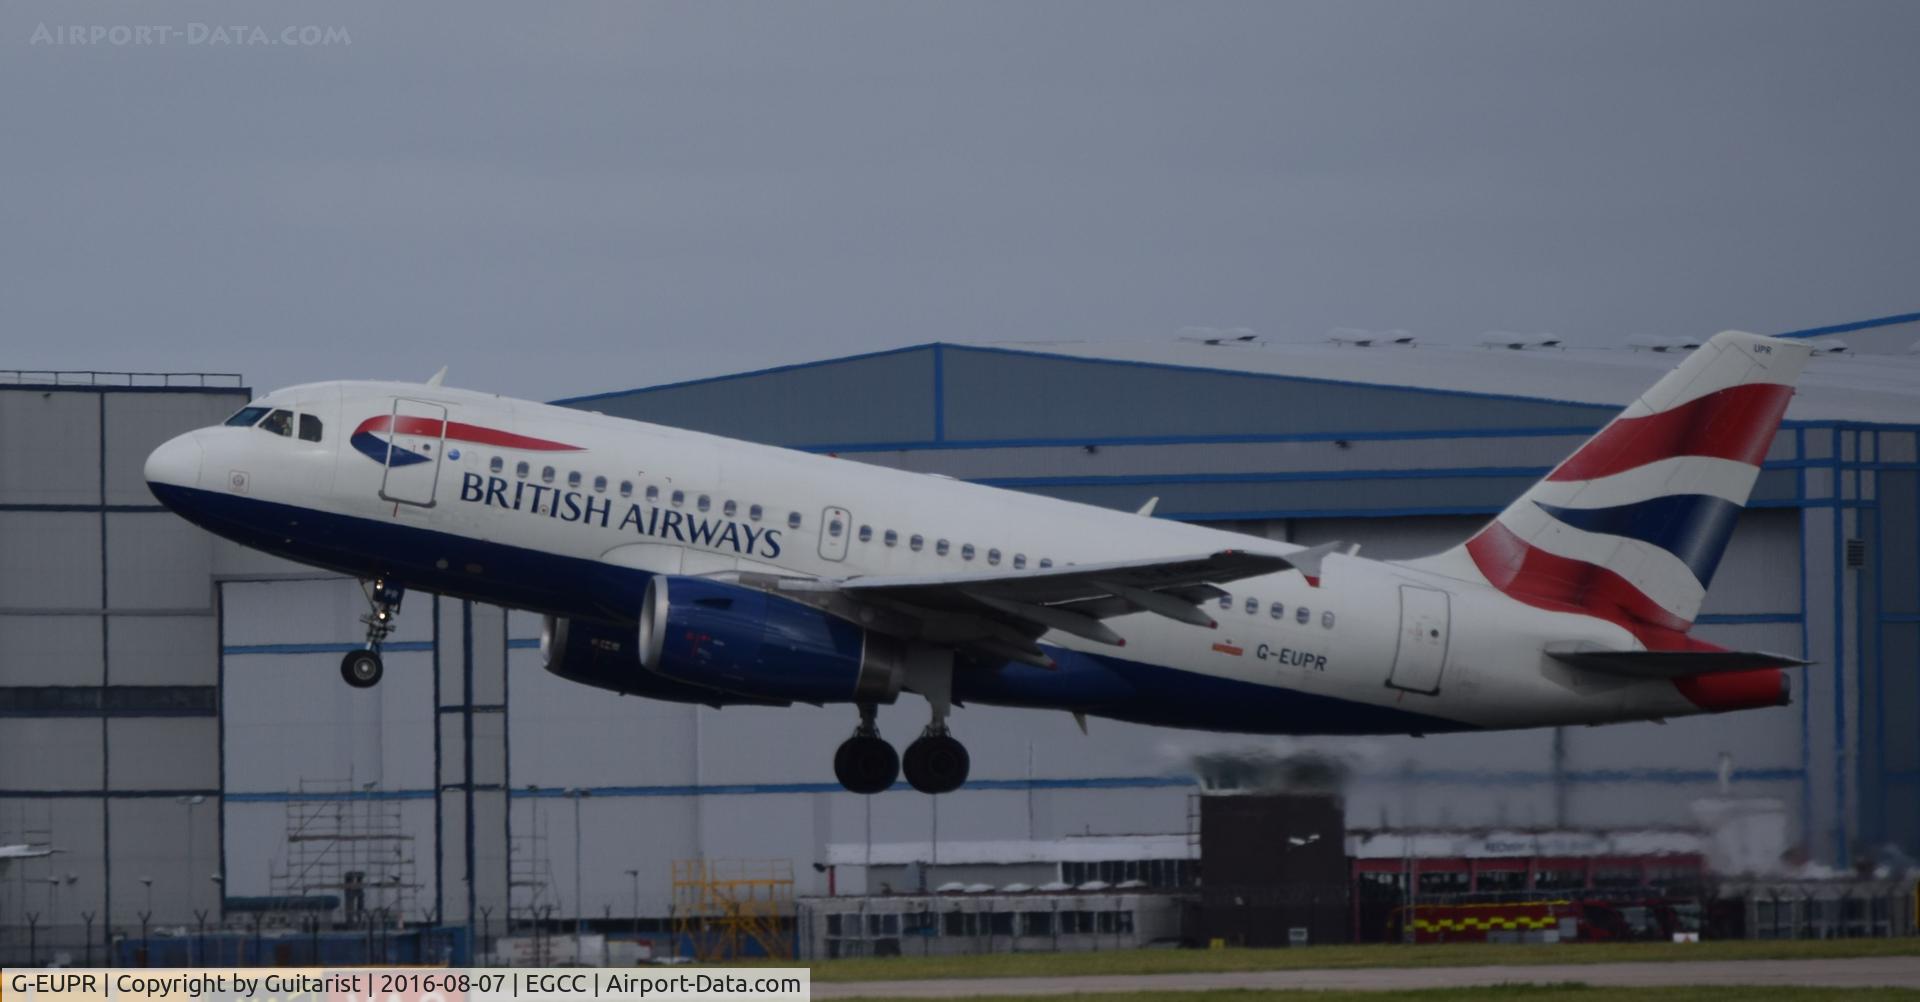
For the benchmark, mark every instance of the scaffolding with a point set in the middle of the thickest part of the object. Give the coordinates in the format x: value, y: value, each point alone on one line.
x: 348, y: 842
x: 725, y: 908
x: 530, y: 882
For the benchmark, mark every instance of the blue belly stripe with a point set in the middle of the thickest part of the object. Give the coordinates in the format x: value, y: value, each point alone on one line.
x: 559, y: 585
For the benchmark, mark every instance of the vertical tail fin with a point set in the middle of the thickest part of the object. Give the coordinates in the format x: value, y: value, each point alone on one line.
x: 1631, y: 527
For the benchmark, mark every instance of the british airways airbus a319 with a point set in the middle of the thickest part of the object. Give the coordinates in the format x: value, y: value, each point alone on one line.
x: 682, y: 566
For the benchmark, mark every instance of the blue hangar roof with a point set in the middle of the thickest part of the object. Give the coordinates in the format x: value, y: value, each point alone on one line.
x: 1232, y: 432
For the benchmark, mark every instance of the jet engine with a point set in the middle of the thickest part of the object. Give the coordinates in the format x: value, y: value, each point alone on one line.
x: 741, y: 640
x: 605, y: 657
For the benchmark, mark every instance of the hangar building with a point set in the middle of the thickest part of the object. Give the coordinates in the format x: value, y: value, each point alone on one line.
x: 176, y: 730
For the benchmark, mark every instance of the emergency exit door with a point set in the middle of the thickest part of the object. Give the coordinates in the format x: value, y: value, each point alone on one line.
x: 836, y: 524
x: 1421, y: 654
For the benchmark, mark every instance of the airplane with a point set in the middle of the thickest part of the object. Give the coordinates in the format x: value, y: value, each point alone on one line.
x: 682, y: 566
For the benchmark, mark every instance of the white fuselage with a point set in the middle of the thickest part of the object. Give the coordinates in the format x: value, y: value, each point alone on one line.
x: 625, y: 497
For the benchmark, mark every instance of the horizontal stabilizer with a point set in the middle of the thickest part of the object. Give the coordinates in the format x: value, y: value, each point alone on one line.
x: 1668, y: 664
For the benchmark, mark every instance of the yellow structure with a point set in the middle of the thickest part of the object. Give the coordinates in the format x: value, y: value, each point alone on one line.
x: 723, y: 906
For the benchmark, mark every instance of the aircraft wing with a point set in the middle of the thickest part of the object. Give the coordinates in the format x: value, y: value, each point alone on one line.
x: 1003, y: 613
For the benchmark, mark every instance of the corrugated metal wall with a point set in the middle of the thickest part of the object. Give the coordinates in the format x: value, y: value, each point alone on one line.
x: 108, y: 662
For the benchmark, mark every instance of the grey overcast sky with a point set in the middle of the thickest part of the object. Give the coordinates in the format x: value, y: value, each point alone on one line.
x: 564, y: 198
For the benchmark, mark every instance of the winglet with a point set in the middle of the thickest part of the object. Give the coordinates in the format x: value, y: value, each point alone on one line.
x: 1308, y: 561
x: 438, y: 377
x: 1146, y: 510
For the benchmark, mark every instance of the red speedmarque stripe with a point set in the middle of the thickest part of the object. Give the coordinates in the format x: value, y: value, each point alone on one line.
x: 461, y: 432
x: 1736, y: 423
x: 1550, y: 581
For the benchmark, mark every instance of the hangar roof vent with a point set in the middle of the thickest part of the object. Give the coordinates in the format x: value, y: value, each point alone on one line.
x: 1220, y: 337
x: 1518, y: 342
x: 1659, y: 343
x: 1362, y: 338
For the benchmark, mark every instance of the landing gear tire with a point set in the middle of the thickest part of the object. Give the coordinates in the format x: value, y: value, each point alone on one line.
x: 362, y: 669
x: 866, y: 764
x: 936, y: 763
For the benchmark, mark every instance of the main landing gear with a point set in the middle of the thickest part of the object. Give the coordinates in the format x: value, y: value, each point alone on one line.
x: 362, y: 668
x: 865, y: 762
x: 935, y: 762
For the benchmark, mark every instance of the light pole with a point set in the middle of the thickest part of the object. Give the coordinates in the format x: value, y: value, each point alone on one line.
x: 579, y: 904
x: 53, y: 911
x: 635, y: 874
x: 189, y: 802
x: 146, y: 945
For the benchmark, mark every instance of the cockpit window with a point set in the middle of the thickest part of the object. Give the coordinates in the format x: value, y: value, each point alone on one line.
x: 280, y: 422
x: 309, y: 428
x: 246, y: 417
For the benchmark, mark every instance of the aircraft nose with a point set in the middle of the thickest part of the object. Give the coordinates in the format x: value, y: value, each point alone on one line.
x: 176, y: 463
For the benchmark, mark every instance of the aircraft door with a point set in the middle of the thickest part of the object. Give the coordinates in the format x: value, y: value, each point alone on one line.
x: 1421, y: 654
x: 836, y: 525
x: 416, y: 436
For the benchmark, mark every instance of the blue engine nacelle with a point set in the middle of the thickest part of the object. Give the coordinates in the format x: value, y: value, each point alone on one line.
x: 606, y: 657
x: 745, y: 641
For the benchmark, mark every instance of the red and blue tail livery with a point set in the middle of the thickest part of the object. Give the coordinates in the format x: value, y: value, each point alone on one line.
x: 1632, y: 526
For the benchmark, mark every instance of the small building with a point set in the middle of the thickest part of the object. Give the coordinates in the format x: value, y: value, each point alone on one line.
x: 1158, y: 861
x: 964, y: 921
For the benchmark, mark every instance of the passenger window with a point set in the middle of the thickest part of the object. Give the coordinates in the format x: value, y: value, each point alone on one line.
x: 916, y: 542
x: 280, y: 423
x: 891, y: 538
x: 497, y: 464
x: 833, y: 528
x: 703, y: 502
x: 966, y: 551
x: 1253, y: 605
x: 679, y: 498
x: 1226, y: 601
x: 521, y: 470
x: 599, y: 485
x: 573, y: 478
x: 1046, y: 562
x: 1326, y: 619
x: 653, y: 494
x: 309, y: 428
x: 940, y: 548
x: 1278, y: 611
x: 866, y: 533
x: 754, y: 512
x: 546, y: 474
x: 1301, y: 615
x: 246, y: 417
x: 1019, y: 561
x: 626, y: 488
x: 993, y: 557
x: 729, y: 508
x: 793, y: 520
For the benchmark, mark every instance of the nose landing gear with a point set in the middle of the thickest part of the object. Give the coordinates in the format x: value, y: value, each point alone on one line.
x: 363, y: 668
x: 866, y: 763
